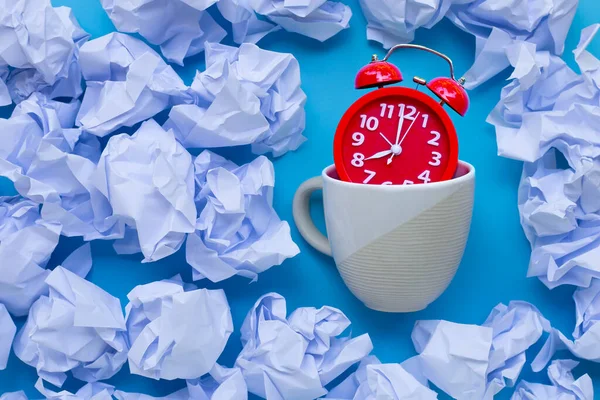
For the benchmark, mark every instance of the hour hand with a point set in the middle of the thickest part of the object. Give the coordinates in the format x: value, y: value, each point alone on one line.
x: 381, y: 154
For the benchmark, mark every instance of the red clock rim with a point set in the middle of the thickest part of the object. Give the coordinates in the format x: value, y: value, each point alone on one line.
x: 399, y: 91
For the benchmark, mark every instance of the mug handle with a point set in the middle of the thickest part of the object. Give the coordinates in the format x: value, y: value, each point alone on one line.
x: 301, y: 212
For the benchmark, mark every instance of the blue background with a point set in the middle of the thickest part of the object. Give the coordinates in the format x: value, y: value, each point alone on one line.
x: 495, y: 263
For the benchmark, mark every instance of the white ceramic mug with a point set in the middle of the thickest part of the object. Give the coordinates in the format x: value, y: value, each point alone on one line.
x: 396, y: 247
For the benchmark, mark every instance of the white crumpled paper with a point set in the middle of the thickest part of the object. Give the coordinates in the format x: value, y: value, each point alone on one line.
x: 78, y: 327
x: 40, y: 44
x: 90, y: 391
x: 127, y: 82
x: 496, y: 24
x: 148, y: 178
x: 4, y: 93
x: 179, y: 27
x: 391, y: 22
x: 373, y: 380
x: 176, y: 332
x: 7, y: 334
x: 548, y: 114
x: 564, y: 385
x: 548, y: 117
x: 237, y: 231
x: 221, y: 384
x: 538, y: 81
x: 20, y: 395
x: 295, y: 357
x: 26, y: 244
x: 49, y: 162
x: 252, y: 20
x: 586, y: 333
x: 246, y: 96
x: 486, y: 358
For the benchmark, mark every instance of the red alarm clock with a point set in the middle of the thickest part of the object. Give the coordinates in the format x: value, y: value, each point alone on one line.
x: 398, y: 135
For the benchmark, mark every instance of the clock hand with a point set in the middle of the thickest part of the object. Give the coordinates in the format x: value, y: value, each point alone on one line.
x: 400, y: 123
x: 395, y: 153
x: 381, y: 154
x: 386, y: 139
x: 408, y: 130
x: 398, y: 132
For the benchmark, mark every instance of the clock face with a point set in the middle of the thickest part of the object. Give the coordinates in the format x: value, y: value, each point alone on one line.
x: 396, y: 136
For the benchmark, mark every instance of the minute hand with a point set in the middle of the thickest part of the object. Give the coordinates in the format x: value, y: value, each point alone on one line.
x: 408, y: 130
x: 399, y: 130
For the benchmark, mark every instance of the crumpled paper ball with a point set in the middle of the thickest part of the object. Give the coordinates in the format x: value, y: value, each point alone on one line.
x: 179, y: 27
x: 564, y: 385
x: 390, y: 22
x: 373, y: 380
x: 28, y: 242
x: 127, y: 82
x: 237, y: 231
x: 296, y: 356
x: 78, y: 327
x: 89, y: 391
x: 40, y: 44
x: 176, y: 331
x: 558, y: 213
x: 252, y: 20
x: 548, y: 117
x: 38, y: 138
x: 585, y: 335
x: 492, y: 357
x: 246, y: 95
x: 496, y: 24
x: 220, y: 384
x: 148, y: 179
x: 538, y: 82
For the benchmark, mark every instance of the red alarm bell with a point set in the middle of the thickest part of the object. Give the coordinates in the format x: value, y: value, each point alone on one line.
x: 451, y: 92
x: 377, y: 73
x: 398, y: 135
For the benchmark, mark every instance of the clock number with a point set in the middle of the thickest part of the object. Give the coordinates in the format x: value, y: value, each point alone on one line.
x: 358, y: 160
x: 387, y: 183
x: 425, y: 120
x: 389, y: 108
x: 371, y: 123
x: 358, y: 138
x: 436, y: 158
x: 371, y: 175
x: 407, y: 182
x: 434, y: 141
x: 424, y: 176
x: 411, y: 114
